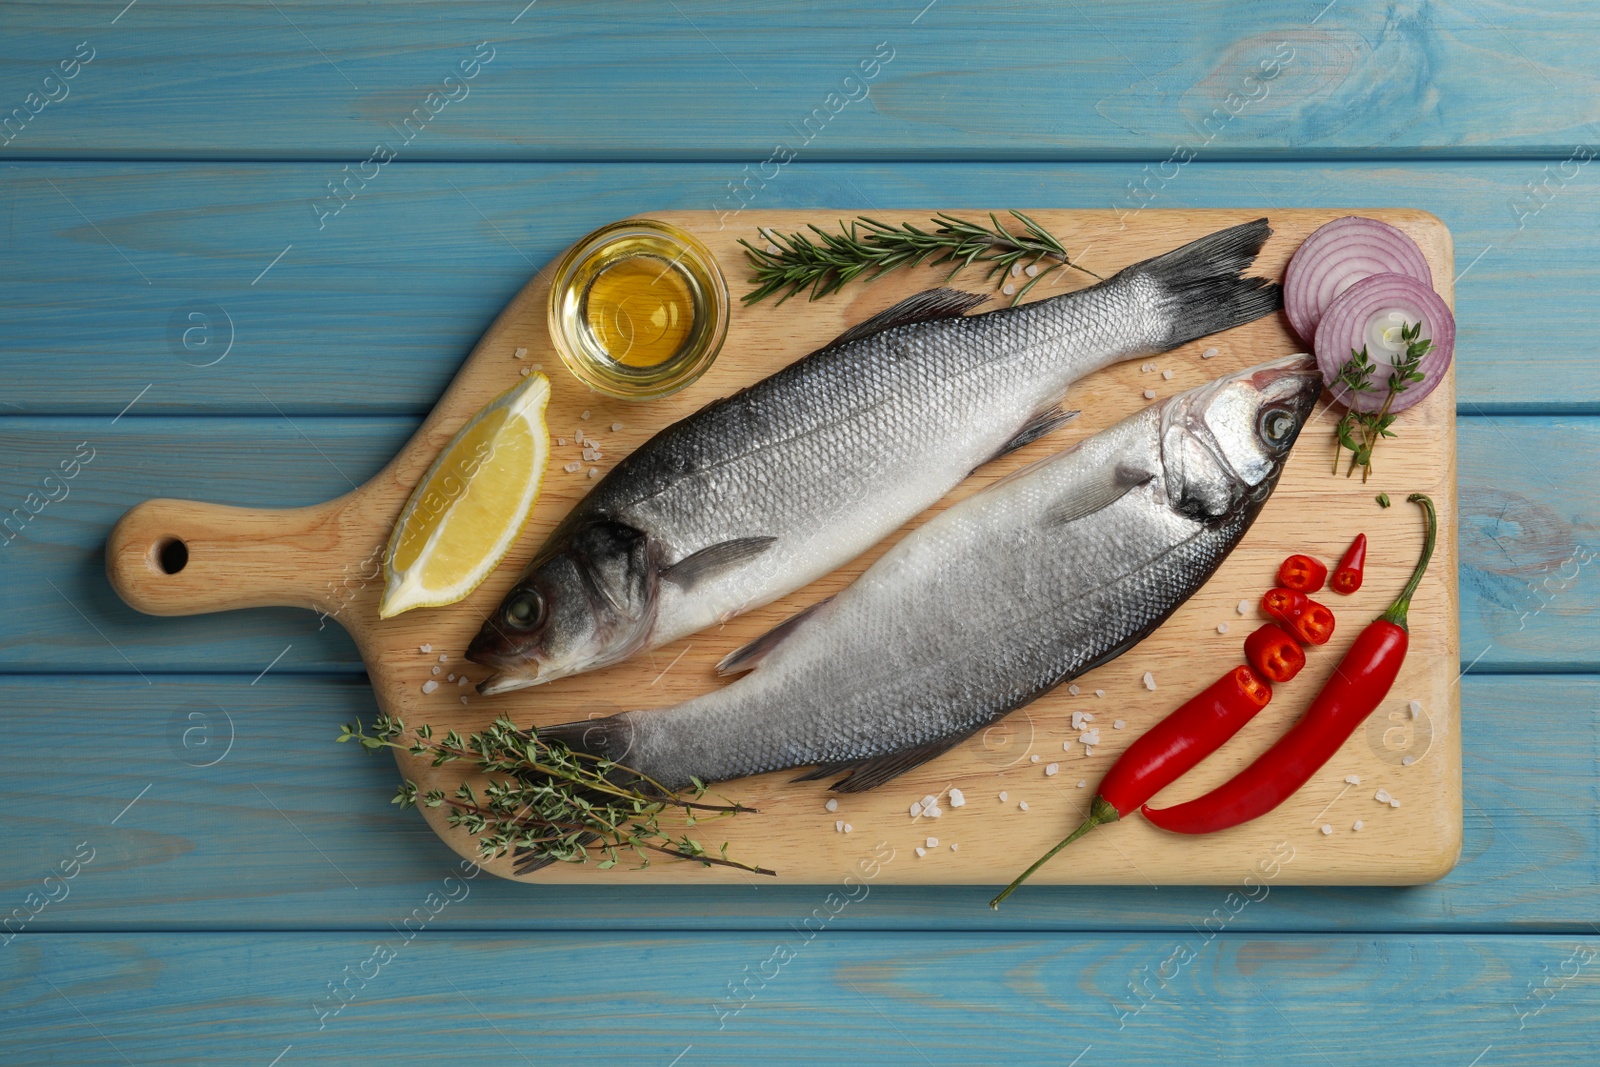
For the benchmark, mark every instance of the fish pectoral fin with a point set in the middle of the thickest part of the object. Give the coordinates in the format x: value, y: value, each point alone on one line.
x: 1102, y: 487
x: 871, y: 773
x: 711, y: 560
x: 751, y: 655
x: 927, y: 306
x: 1040, y: 425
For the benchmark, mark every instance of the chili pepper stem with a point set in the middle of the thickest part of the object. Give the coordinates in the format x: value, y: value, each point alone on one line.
x: 1100, y: 813
x: 1430, y: 534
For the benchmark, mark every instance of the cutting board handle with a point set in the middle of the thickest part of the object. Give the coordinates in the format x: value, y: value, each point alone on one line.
x: 183, y: 557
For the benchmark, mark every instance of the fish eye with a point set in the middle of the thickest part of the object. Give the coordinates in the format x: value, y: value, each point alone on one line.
x: 525, y: 611
x: 1277, y: 425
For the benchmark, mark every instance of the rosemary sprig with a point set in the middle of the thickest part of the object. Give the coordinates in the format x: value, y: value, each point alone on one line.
x: 549, y: 802
x: 866, y: 248
x: 1360, y: 431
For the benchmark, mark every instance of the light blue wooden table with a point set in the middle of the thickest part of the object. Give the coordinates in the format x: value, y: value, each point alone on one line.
x: 230, y: 864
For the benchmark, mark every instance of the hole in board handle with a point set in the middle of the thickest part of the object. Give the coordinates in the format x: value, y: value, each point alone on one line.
x: 171, y: 555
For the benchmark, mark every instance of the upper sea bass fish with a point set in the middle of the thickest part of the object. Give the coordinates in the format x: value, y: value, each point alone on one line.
x: 762, y: 492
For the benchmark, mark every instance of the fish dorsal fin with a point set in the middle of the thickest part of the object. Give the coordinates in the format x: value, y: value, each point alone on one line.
x: 1046, y: 422
x: 927, y: 306
x: 1098, y: 489
x: 713, y: 559
x: 750, y: 655
x: 871, y: 773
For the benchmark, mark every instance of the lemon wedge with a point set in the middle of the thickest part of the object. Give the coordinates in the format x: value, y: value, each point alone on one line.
x: 467, y: 511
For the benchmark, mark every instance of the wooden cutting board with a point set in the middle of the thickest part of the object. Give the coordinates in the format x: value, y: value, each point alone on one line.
x: 327, y: 558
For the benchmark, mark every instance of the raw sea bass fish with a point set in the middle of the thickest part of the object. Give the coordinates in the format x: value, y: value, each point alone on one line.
x: 1055, y: 570
x: 763, y: 492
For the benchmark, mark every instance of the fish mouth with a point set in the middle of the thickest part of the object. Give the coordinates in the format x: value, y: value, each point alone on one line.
x: 506, y: 681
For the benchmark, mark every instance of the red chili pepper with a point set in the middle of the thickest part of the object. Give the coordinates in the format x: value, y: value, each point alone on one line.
x: 1309, y: 621
x: 1275, y: 655
x: 1358, y: 686
x: 1302, y: 573
x: 1165, y: 752
x: 1347, y: 577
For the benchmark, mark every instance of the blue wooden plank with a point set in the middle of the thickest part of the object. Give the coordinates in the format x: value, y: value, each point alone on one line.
x: 788, y: 999
x: 374, y: 311
x: 1026, y: 79
x: 246, y: 814
x: 1529, y: 515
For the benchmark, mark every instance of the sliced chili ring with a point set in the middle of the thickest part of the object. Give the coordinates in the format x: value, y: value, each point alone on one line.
x: 1302, y: 573
x: 1310, y: 622
x: 1274, y: 654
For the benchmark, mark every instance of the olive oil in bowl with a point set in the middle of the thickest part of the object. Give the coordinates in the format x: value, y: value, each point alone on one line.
x: 638, y: 309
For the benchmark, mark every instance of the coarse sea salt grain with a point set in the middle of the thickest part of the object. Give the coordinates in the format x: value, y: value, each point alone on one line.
x: 1406, y: 761
x: 429, y: 686
x: 930, y: 801
x: 933, y: 812
x: 1008, y: 289
x: 1033, y: 759
x: 1119, y: 724
x: 954, y: 846
x: 616, y: 426
x: 848, y: 827
x: 584, y: 414
x: 526, y: 371
x: 933, y: 842
x: 463, y: 700
x: 1393, y: 803
x: 1088, y: 750
x: 561, y: 441
x: 916, y: 808
x: 1414, y: 707
x: 1002, y: 795
x: 450, y: 677
x: 921, y: 852
x: 1016, y: 270
x: 1353, y: 779
x: 1222, y: 627
x: 519, y: 353
x: 1090, y: 737
x: 1022, y: 805
x: 594, y: 472
x: 1167, y: 374
x: 1382, y: 796
x: 1074, y: 690
x: 435, y: 670
x: 443, y: 658
x: 1099, y: 692
x: 426, y: 648
x: 1358, y: 824
x: 1150, y: 681
x: 832, y: 804
x: 1210, y: 353
x: 1082, y: 782
x: 1149, y: 394
x: 573, y: 466
x: 1066, y: 746
x: 1244, y: 607
x: 1326, y: 829
x: 462, y: 681
x: 1031, y: 271
x: 838, y: 826
x: 957, y: 798
x: 1051, y: 769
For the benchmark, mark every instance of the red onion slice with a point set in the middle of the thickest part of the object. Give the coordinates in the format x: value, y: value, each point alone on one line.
x: 1370, y: 314
x: 1338, y: 255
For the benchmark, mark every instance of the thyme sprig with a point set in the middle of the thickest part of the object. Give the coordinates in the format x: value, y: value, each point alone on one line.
x: 1360, y: 431
x: 544, y: 802
x: 866, y: 248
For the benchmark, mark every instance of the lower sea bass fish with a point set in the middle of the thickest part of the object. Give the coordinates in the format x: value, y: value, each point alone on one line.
x: 765, y: 491
x: 1049, y: 573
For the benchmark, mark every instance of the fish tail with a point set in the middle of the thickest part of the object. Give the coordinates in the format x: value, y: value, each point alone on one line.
x: 1205, y: 286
